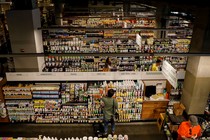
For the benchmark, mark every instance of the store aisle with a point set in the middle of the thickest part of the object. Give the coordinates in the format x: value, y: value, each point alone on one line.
x: 135, y: 131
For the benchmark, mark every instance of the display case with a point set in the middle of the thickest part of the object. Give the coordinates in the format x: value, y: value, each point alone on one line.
x: 18, y: 102
x: 107, y: 34
x: 46, y: 98
x: 79, y: 102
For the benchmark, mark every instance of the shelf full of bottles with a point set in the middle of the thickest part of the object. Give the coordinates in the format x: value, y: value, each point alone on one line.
x: 76, y: 102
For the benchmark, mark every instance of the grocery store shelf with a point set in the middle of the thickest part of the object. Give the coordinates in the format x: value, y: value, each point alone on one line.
x: 10, y: 3
x: 75, y: 103
x: 101, y: 54
x: 120, y: 16
x: 88, y: 28
x: 19, y: 97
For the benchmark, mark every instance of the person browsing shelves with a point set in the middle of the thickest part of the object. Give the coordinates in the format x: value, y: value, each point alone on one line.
x: 110, y: 106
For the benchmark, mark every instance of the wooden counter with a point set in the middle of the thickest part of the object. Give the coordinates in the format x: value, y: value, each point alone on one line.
x: 152, y: 109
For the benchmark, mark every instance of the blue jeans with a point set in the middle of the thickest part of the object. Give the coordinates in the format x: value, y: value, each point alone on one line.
x: 106, y: 122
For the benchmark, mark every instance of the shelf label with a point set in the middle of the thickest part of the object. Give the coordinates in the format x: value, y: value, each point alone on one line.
x: 129, y: 73
x: 101, y: 74
x: 18, y: 74
x: 125, y: 73
x: 133, y: 73
x: 46, y: 74
x: 73, y: 74
x: 138, y: 39
x: 154, y: 73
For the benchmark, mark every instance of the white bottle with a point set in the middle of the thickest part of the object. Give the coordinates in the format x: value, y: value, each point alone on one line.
x: 125, y: 137
x: 44, y: 138
x: 84, y: 138
x: 95, y: 138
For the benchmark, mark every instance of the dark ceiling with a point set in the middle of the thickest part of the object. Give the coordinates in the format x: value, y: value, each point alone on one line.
x: 179, y: 5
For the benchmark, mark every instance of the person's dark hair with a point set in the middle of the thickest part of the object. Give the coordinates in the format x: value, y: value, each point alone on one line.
x: 158, y: 61
x: 108, y: 62
x: 110, y: 92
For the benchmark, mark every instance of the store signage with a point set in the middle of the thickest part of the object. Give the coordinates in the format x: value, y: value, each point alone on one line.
x: 138, y: 39
x: 170, y: 73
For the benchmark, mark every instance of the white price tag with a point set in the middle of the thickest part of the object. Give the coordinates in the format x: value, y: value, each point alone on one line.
x: 101, y: 74
x: 45, y: 74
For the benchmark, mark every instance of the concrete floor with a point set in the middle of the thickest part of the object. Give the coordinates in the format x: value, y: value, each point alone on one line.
x: 135, y: 131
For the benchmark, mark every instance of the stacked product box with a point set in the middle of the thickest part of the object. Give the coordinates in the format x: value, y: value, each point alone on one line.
x: 47, y: 102
x: 18, y: 102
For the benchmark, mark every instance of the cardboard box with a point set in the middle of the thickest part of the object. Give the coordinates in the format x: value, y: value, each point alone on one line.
x: 178, y: 108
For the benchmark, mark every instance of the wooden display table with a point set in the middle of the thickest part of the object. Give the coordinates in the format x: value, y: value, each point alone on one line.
x: 152, y: 109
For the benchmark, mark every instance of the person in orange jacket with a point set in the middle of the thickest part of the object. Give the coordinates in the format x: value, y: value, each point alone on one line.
x: 189, y: 129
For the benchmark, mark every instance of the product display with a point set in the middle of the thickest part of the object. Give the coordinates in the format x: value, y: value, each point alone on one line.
x: 46, y: 98
x: 18, y: 138
x: 20, y: 110
x: 18, y: 102
x: 175, y: 94
x: 109, y: 137
x: 47, y: 110
x: 129, y: 95
x: 93, y: 35
x: 17, y: 92
x: 45, y: 91
x: 74, y: 113
x: 96, y: 64
x: 76, y: 102
x: 73, y: 92
x: 99, y: 22
x: 178, y: 22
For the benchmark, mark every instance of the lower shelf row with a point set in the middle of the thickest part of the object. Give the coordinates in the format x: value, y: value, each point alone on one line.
x: 81, y: 102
